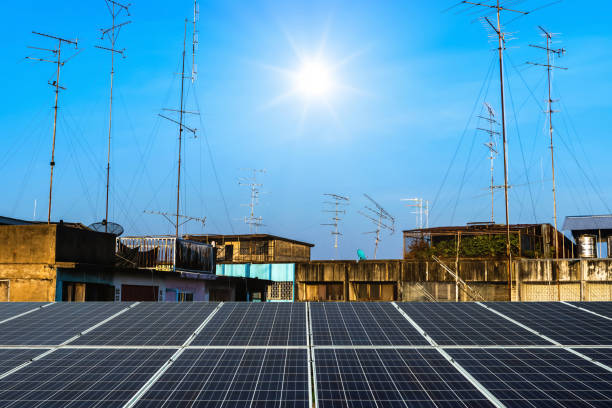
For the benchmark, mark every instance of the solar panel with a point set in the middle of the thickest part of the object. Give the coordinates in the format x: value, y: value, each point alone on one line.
x: 393, y: 378
x: 153, y: 323
x: 467, y: 324
x: 233, y: 378
x: 560, y: 322
x: 11, y: 358
x: 358, y: 323
x: 82, y: 378
x: 57, y: 323
x: 271, y: 324
x: 10, y: 309
x: 603, y: 308
x: 537, y: 377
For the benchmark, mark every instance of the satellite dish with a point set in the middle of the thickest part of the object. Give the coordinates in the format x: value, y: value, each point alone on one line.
x: 109, y: 227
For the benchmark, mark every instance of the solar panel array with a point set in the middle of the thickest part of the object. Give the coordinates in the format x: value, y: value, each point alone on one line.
x: 306, y: 354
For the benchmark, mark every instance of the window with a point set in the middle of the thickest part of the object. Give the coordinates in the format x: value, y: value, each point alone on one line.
x: 229, y: 253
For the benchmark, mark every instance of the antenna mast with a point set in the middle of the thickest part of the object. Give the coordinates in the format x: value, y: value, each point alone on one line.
x: 251, y: 182
x: 381, y: 218
x: 549, y: 67
x: 112, y: 33
x: 492, y: 146
x: 182, y: 127
x: 194, y: 42
x: 336, y: 205
x: 419, y: 211
x: 501, y: 39
x: 56, y: 84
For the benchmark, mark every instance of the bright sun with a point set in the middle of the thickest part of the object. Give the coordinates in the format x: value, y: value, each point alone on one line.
x: 314, y: 79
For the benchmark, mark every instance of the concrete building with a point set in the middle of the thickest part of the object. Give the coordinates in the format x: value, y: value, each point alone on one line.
x: 69, y: 262
x: 260, y: 256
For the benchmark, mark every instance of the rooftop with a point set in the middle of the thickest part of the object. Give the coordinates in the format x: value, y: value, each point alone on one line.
x: 243, y: 237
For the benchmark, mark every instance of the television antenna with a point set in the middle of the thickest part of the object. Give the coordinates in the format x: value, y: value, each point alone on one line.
x: 550, y: 54
x: 421, y: 208
x: 181, y: 113
x: 115, y: 9
x: 254, y: 222
x: 171, y: 217
x: 501, y: 35
x: 335, y: 207
x: 381, y: 219
x: 491, y: 145
x: 57, y: 52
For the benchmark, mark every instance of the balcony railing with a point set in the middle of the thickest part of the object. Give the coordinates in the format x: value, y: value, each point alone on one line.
x: 165, y: 254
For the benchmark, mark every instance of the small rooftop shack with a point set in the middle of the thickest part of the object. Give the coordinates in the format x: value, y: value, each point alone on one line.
x: 486, y: 240
x: 255, y: 248
x: 596, y: 228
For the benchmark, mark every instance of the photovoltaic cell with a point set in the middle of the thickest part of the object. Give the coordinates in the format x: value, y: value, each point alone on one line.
x: 57, y: 323
x: 467, y: 324
x: 154, y: 323
x: 10, y: 309
x: 233, y: 378
x: 560, y: 322
x: 71, y: 378
x: 265, y: 324
x: 11, y: 358
x: 538, y: 377
x: 391, y: 378
x: 356, y: 323
x: 603, y: 308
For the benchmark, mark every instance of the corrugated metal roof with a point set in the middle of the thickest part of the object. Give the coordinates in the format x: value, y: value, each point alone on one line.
x: 588, y: 222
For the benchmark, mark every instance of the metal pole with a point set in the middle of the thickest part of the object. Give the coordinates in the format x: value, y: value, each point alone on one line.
x: 500, y: 36
x: 110, y: 120
x: 52, y: 163
x: 178, y: 184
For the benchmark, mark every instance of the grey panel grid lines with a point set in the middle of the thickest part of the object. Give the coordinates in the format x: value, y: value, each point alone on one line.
x: 233, y: 378
x: 560, y: 322
x: 538, y: 377
x: 467, y: 324
x: 391, y: 378
x: 10, y: 309
x: 71, y: 378
x: 155, y: 323
x: 601, y: 355
x: 11, y: 358
x: 602, y: 308
x: 356, y: 323
x: 256, y: 324
x: 57, y: 323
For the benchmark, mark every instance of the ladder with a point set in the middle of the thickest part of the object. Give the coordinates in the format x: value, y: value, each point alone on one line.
x: 471, y: 292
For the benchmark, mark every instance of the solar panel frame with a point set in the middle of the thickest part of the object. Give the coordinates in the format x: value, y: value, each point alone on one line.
x: 534, y: 377
x: 57, y: 323
x: 602, y: 308
x: 256, y: 324
x: 151, y: 323
x: 11, y: 358
x: 235, y: 377
x: 12, y: 309
x: 350, y: 377
x: 467, y: 324
x: 361, y: 323
x: 601, y: 355
x: 560, y: 322
x: 77, y: 377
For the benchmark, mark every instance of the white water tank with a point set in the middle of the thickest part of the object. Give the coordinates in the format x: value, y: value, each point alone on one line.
x: 587, y: 246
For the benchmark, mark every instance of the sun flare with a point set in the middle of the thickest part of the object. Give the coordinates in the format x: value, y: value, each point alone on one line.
x: 314, y: 79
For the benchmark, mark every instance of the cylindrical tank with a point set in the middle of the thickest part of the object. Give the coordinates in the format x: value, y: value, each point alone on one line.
x: 587, y: 246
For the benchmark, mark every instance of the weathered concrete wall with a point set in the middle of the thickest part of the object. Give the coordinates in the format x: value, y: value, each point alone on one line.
x: 28, y: 283
x: 532, y: 279
x: 83, y: 246
x: 27, y: 244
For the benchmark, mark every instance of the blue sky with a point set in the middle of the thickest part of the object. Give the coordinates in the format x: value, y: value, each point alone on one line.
x: 400, y: 122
